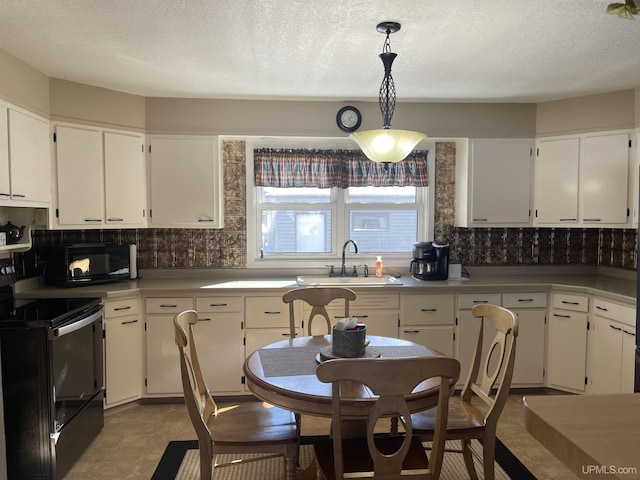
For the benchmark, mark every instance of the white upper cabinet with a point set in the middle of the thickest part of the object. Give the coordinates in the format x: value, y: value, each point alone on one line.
x: 125, y: 179
x: 80, y: 177
x: 185, y: 182
x: 583, y: 180
x: 556, y: 181
x: 25, y: 165
x: 100, y: 178
x: 494, y: 183
x: 605, y: 170
x: 5, y: 186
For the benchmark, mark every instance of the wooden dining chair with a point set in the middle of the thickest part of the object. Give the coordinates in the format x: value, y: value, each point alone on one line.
x: 318, y: 298
x: 467, y: 422
x: 380, y: 455
x: 249, y: 427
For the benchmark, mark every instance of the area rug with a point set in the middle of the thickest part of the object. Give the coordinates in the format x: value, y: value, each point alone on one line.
x: 180, y: 461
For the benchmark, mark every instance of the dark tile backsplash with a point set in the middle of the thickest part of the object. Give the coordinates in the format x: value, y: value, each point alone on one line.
x: 226, y: 247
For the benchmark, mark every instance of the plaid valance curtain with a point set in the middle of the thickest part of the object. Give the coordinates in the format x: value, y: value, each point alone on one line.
x: 335, y: 168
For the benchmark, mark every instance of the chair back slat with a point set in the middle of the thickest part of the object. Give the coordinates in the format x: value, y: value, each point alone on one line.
x: 318, y: 298
x: 501, y: 353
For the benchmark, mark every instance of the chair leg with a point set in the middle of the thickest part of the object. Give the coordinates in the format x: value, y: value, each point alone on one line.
x: 468, y: 459
x: 206, y: 464
x: 489, y: 456
x: 291, y: 461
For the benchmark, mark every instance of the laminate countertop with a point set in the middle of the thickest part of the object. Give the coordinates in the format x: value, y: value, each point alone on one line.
x: 608, y: 283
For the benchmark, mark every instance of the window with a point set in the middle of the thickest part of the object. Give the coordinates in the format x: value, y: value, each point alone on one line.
x: 307, y: 226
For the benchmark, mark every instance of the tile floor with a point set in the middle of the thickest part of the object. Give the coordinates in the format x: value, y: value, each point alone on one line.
x: 135, y: 436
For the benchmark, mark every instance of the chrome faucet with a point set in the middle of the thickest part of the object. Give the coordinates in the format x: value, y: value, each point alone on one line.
x: 343, y: 270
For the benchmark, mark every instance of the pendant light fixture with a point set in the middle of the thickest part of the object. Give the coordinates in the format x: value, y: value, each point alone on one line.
x: 387, y: 145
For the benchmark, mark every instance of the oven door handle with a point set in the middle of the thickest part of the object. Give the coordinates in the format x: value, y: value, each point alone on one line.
x: 72, y: 327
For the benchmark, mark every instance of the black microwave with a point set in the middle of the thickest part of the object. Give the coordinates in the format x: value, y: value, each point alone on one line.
x: 81, y: 264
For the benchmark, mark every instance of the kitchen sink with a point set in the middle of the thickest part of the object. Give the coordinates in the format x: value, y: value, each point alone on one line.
x: 318, y: 281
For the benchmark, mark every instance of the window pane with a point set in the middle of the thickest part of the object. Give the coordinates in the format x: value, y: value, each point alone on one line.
x: 379, y: 231
x: 295, y: 195
x: 296, y: 231
x: 382, y: 195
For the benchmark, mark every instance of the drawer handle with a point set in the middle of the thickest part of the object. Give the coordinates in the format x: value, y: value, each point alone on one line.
x: 19, y: 195
x: 561, y: 316
x: 591, y: 219
x: 92, y: 219
x: 218, y: 304
x: 568, y: 219
x: 411, y: 331
x: 112, y: 219
x: 128, y: 322
x: 272, y: 313
x: 285, y: 334
x: 166, y: 305
x: 360, y: 316
x: 117, y: 309
x: 206, y: 319
x: 615, y: 328
x: 566, y: 302
x: 525, y: 299
x: 598, y: 307
x: 428, y: 309
x: 481, y: 301
x: 628, y: 332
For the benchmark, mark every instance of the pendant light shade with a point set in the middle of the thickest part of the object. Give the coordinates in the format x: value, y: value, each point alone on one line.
x: 387, y: 145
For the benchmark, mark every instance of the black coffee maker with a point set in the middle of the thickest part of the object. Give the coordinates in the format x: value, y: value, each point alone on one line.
x: 430, y: 261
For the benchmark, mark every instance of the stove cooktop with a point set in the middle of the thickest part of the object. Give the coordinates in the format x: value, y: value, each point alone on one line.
x: 49, y: 312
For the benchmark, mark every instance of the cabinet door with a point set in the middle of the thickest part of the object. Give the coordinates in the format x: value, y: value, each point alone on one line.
x: 556, y: 181
x: 567, y: 352
x: 29, y: 157
x: 439, y: 338
x: 380, y: 323
x: 494, y: 201
x: 163, y: 361
x: 5, y: 186
x: 605, y: 170
x: 529, y: 365
x: 80, y: 176
x: 123, y: 360
x: 185, y: 183
x: 220, y: 351
x: 125, y: 184
x: 627, y: 371
x: 604, y: 356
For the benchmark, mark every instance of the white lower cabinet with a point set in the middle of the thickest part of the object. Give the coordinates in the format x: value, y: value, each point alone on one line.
x: 429, y: 320
x: 163, y: 361
x: 219, y: 336
x: 378, y: 311
x: 567, y: 348
x: 531, y: 309
x: 610, y: 357
x: 123, y: 351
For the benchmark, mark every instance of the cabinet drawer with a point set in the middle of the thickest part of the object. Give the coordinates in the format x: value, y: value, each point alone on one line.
x: 169, y: 304
x: 467, y: 301
x: 427, y: 310
x: 383, y: 300
x: 614, y: 311
x: 219, y: 304
x: 121, y: 308
x: 576, y: 303
x: 524, y: 300
x: 266, y: 312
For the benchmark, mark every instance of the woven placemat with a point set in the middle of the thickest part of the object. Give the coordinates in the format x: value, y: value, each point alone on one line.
x: 285, y: 362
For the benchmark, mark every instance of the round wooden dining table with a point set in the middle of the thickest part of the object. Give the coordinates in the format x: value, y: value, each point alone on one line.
x: 284, y: 374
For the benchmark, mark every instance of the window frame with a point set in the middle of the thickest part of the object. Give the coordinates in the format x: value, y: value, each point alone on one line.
x: 425, y: 200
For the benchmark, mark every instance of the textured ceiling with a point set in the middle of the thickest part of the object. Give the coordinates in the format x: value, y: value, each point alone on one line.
x: 448, y: 50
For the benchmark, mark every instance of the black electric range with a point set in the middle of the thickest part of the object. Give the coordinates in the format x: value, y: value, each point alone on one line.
x: 51, y: 355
